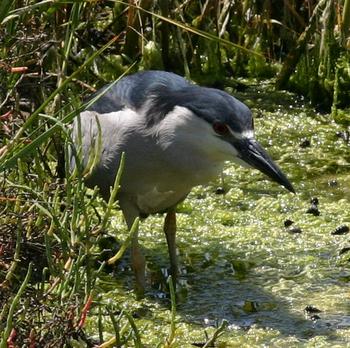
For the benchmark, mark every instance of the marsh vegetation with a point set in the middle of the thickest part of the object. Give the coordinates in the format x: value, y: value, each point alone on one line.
x: 260, y: 267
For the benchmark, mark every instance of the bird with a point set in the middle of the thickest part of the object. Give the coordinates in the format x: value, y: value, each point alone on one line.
x: 175, y: 135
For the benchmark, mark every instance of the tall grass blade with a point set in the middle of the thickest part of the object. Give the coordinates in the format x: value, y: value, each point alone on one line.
x: 28, y: 149
x: 219, y: 331
x: 8, y: 328
x: 137, y: 337
x: 34, y: 116
x: 346, y: 19
x: 171, y: 338
x: 196, y: 31
x: 18, y: 11
x: 114, y: 192
x: 5, y: 8
x: 119, y: 254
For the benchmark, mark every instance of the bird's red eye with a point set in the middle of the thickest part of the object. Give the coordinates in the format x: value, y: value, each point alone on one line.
x: 220, y: 128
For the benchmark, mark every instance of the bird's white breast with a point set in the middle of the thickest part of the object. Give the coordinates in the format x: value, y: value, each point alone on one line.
x: 156, y: 201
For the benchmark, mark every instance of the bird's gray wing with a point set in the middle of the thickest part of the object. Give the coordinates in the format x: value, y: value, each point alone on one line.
x: 134, y: 90
x: 110, y: 104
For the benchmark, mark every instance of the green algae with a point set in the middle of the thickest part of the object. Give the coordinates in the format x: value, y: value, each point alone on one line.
x: 238, y: 260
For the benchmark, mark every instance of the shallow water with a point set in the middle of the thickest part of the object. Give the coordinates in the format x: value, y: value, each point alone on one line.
x: 238, y: 260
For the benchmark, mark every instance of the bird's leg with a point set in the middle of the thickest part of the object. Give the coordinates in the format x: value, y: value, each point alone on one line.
x: 138, y: 265
x: 170, y: 233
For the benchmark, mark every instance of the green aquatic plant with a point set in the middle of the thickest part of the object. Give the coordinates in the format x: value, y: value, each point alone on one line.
x: 58, y: 268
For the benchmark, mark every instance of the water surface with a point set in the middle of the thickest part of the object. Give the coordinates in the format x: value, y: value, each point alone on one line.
x: 276, y: 286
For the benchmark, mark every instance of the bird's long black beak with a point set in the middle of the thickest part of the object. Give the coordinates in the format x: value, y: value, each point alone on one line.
x: 251, y: 152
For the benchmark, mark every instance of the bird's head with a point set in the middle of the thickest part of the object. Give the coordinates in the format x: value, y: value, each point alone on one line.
x: 218, y: 120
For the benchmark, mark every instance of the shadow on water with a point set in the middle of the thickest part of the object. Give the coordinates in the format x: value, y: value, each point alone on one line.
x: 228, y: 288
x: 218, y: 284
x: 250, y: 287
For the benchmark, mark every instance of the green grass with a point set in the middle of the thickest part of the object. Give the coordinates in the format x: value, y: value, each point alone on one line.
x: 57, y: 287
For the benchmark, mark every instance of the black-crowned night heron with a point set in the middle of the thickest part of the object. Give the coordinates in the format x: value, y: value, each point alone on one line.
x: 175, y: 136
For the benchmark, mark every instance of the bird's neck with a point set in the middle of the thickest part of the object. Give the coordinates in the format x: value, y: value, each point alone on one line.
x: 183, y: 144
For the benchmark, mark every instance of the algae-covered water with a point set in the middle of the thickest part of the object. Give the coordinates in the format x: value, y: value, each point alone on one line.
x: 276, y: 286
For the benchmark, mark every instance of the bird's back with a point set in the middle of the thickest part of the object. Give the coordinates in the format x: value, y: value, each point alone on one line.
x: 132, y: 91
